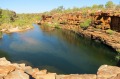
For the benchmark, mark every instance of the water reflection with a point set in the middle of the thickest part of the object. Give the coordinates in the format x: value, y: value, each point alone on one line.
x: 4, y: 54
x: 57, y: 50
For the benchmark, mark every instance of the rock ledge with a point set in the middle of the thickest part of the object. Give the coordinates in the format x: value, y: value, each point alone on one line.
x: 10, y: 70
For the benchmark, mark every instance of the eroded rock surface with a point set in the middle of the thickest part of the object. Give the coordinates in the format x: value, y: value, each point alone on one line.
x: 10, y: 70
x: 101, y: 22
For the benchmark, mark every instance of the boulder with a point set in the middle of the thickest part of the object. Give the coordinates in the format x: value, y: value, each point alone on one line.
x: 17, y: 74
x: 105, y: 72
x: 4, y: 70
x: 76, y: 76
x: 4, y: 62
x: 46, y: 76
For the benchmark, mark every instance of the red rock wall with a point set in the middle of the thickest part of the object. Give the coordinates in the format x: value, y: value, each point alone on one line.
x: 115, y: 23
x: 107, y: 21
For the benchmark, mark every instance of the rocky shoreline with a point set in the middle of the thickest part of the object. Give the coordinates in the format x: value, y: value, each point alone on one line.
x: 96, y: 30
x: 98, y: 35
x: 12, y: 30
x: 10, y: 70
x: 16, y: 29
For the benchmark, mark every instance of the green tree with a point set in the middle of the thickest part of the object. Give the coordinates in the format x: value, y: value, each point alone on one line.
x: 109, y: 5
x: 0, y: 16
x: 101, y: 6
x: 60, y: 8
x: 95, y: 6
x: 0, y: 13
x: 117, y: 6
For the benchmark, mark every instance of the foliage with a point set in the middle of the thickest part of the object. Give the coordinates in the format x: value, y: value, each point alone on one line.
x: 95, y: 6
x: 117, y: 7
x: 0, y: 13
x: 109, y: 5
x: 1, y: 34
x: 118, y: 50
x: 47, y: 24
x: 58, y: 10
x: 55, y: 24
x: 118, y: 56
x: 9, y: 19
x: 109, y: 31
x: 7, y: 16
x: 86, y: 23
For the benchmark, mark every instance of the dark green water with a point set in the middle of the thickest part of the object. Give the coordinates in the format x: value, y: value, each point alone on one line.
x: 57, y: 51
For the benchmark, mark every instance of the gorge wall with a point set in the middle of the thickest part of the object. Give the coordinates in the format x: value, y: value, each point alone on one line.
x: 107, y: 20
x: 97, y: 30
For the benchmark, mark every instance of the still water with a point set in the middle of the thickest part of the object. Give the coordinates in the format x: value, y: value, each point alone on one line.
x: 57, y: 51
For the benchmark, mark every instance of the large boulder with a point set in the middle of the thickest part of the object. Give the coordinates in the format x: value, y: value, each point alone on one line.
x: 17, y: 74
x: 4, y: 70
x: 46, y: 76
x: 76, y: 76
x: 4, y: 62
x: 107, y: 72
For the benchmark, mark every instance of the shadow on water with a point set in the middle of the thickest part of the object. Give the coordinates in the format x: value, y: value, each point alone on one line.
x: 57, y: 50
x: 4, y: 54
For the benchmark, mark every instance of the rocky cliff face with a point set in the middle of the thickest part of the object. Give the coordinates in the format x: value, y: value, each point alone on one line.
x: 101, y: 21
x: 107, y: 20
x: 10, y: 70
x: 74, y: 18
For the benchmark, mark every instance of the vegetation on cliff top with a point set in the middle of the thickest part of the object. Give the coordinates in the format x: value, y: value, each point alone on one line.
x: 9, y: 19
x: 85, y: 24
x: 95, y: 7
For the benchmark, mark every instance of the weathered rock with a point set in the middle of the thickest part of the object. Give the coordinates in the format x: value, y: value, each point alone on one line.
x: 46, y: 76
x: 1, y: 77
x: 3, y: 61
x: 17, y: 74
x: 116, y: 77
x: 106, y: 71
x: 84, y: 76
x: 20, y: 71
x: 28, y: 69
x: 37, y: 73
x: 4, y: 70
x: 61, y: 76
x: 34, y: 72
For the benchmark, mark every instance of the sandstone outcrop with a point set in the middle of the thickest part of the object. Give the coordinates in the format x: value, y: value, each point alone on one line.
x: 107, y: 20
x: 101, y: 21
x: 10, y: 70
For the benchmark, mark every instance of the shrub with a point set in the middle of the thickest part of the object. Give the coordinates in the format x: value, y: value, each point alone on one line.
x: 1, y: 34
x: 86, y: 23
x: 109, y: 31
x: 118, y: 50
x: 47, y: 24
x: 118, y: 56
x: 56, y: 25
